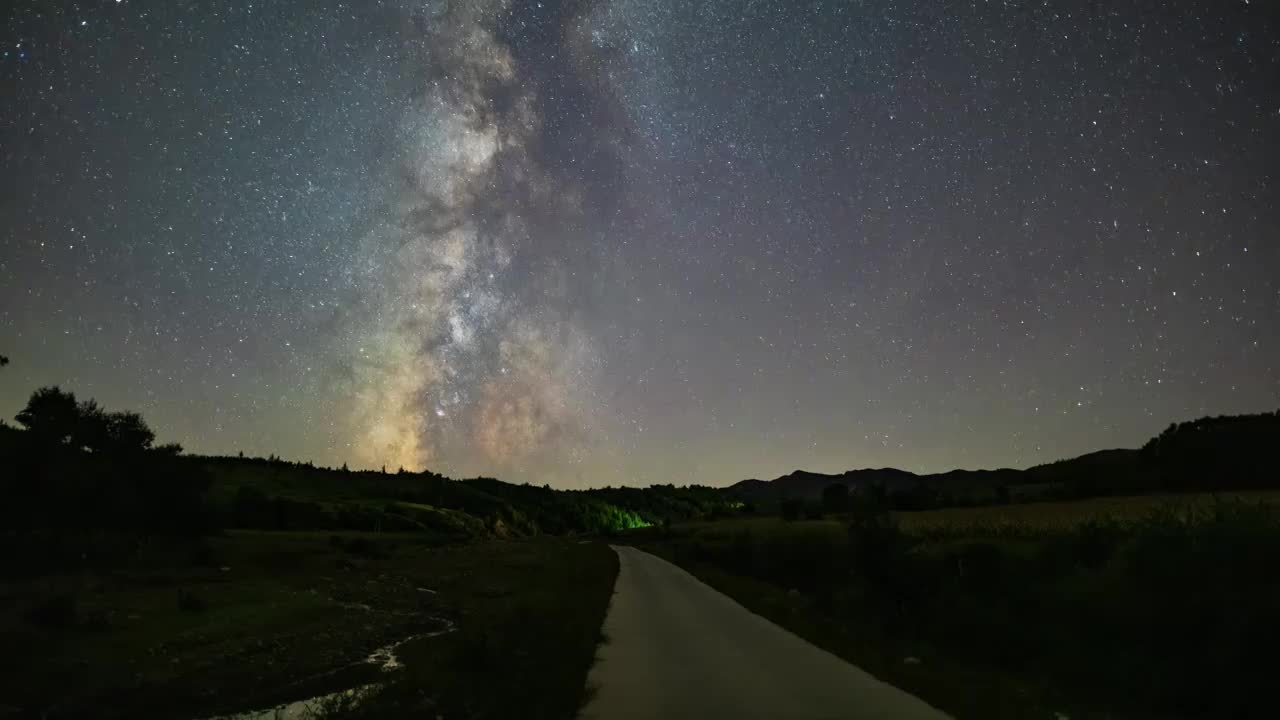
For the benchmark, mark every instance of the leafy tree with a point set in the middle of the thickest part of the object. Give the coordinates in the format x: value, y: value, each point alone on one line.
x: 116, y: 433
x: 791, y: 508
x: 92, y: 427
x: 51, y: 415
x: 54, y: 417
x: 128, y: 432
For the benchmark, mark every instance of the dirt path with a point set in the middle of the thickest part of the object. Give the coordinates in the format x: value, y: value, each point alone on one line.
x: 675, y: 648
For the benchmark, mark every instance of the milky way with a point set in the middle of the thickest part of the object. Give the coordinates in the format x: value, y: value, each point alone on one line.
x: 627, y: 241
x: 456, y: 359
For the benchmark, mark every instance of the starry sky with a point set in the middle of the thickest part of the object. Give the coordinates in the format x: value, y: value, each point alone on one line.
x: 642, y: 241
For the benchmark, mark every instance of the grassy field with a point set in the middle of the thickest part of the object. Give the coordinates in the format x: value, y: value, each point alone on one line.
x: 1067, y: 514
x: 989, y: 519
x: 251, y: 619
x: 1120, y: 607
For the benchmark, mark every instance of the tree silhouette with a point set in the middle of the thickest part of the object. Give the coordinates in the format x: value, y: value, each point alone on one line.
x: 4, y: 360
x: 93, y: 429
x: 128, y: 432
x: 54, y: 417
x: 51, y: 416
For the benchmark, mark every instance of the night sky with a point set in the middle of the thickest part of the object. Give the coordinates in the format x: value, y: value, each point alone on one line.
x: 639, y: 241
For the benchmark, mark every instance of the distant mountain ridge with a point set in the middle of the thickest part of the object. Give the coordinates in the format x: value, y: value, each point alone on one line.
x: 974, y: 485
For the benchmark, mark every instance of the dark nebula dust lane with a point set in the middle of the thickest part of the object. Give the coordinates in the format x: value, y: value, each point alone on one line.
x: 630, y: 241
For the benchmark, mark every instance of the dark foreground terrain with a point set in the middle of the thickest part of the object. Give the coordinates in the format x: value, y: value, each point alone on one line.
x: 249, y: 620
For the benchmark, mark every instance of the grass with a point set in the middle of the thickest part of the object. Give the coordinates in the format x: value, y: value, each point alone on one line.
x: 1136, y: 609
x: 989, y: 519
x: 250, y: 619
x: 527, y: 632
x: 1066, y: 514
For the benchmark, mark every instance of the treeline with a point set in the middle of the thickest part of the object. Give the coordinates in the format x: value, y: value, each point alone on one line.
x: 77, y: 466
x: 278, y: 495
x: 1216, y: 453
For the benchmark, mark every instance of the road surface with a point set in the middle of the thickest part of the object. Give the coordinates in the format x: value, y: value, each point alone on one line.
x: 675, y: 648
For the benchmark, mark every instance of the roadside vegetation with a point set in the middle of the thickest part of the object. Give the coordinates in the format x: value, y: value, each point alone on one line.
x: 1140, y: 609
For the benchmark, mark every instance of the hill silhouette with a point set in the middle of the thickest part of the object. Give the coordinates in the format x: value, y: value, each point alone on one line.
x: 1120, y: 469
x: 1208, y: 454
x: 78, y: 466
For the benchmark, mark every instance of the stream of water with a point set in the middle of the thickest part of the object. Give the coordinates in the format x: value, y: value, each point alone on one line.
x: 384, y: 657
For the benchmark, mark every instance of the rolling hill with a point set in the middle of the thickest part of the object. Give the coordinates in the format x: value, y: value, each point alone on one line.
x: 1096, y: 472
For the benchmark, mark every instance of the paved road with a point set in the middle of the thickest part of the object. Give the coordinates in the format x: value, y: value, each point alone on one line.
x: 675, y: 648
